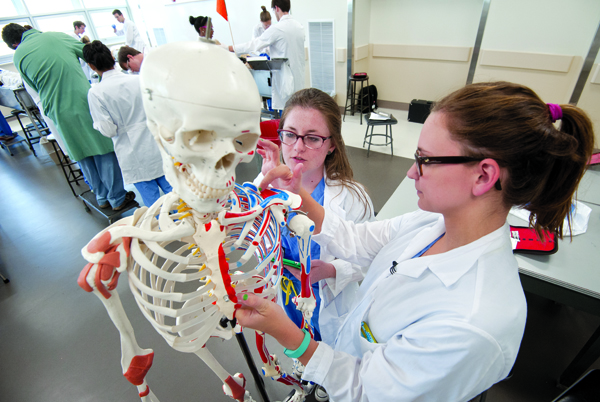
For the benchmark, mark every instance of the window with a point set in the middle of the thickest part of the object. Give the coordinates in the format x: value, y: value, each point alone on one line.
x: 61, y: 23
x: 54, y: 6
x: 8, y: 8
x: 58, y: 16
x: 105, y: 3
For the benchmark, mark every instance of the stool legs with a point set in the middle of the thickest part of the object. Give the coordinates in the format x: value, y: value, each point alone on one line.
x: 389, y: 139
x: 348, y: 94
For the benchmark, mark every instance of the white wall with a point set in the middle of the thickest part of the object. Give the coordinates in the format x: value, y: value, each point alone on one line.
x: 430, y: 22
x: 408, y: 41
x: 545, y: 53
x: 542, y: 26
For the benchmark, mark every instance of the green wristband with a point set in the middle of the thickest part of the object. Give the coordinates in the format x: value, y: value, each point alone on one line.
x: 294, y: 354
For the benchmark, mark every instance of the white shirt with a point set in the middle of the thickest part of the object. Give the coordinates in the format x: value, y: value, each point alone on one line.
x: 132, y: 36
x: 448, y: 326
x: 285, y: 40
x: 74, y: 35
x: 118, y: 113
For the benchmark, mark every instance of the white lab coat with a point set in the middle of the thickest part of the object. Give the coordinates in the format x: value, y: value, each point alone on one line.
x: 132, y: 36
x: 118, y: 113
x: 284, y: 39
x: 75, y: 36
x: 339, y: 293
x: 448, y: 326
x: 258, y: 30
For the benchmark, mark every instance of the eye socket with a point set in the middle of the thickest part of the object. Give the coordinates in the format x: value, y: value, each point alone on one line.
x: 198, y: 139
x: 166, y: 135
x: 245, y: 142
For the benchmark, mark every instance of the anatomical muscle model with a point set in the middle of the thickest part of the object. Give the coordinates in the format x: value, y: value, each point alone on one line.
x: 191, y: 255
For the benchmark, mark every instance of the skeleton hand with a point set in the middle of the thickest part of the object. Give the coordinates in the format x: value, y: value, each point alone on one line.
x: 270, y: 154
x: 306, y: 305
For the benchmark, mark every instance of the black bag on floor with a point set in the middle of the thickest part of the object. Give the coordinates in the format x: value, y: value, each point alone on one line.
x: 418, y: 110
x: 368, y: 93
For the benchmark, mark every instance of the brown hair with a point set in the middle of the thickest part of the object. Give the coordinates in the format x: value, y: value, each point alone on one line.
x: 284, y: 5
x: 337, y: 166
x: 264, y: 14
x: 512, y: 125
x: 124, y: 51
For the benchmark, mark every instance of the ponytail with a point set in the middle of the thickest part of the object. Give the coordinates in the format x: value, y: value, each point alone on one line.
x: 264, y: 14
x: 99, y: 55
x: 512, y: 125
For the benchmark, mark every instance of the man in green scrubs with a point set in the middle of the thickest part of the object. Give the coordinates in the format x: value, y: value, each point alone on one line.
x: 49, y: 63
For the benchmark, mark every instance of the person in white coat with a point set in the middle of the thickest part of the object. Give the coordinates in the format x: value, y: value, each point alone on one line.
x: 263, y: 25
x: 310, y: 132
x: 130, y: 31
x: 118, y: 113
x: 441, y: 312
x: 284, y: 40
x: 78, y: 30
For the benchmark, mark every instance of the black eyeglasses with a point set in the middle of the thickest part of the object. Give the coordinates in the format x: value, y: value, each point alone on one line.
x: 310, y: 141
x: 434, y: 160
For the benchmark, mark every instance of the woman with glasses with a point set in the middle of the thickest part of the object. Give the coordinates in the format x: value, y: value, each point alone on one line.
x: 310, y: 133
x: 441, y: 312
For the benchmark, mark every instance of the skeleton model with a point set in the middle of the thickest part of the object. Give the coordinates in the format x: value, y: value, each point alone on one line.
x: 190, y: 255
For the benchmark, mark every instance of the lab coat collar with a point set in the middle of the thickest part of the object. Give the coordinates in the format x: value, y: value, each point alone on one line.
x: 451, y: 266
x: 107, y: 74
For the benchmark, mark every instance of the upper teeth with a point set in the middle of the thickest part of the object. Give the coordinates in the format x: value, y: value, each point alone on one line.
x: 199, y: 189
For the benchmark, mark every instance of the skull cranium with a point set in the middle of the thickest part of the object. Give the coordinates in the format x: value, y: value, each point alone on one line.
x: 204, y: 112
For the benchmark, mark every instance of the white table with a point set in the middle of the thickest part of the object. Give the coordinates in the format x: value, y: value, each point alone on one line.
x: 569, y: 276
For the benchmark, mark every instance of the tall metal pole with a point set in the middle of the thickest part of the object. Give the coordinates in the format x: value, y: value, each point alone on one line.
x: 350, y: 36
x: 586, y: 69
x: 477, y: 47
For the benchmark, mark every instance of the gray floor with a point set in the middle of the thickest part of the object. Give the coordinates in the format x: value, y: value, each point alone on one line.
x: 57, y: 343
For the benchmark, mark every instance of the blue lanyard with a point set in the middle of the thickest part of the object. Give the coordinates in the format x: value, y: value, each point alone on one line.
x: 420, y: 253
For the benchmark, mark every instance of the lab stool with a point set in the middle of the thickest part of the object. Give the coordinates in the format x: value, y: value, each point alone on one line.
x: 388, y: 123
x: 356, y: 101
x: 6, y: 144
x: 38, y: 128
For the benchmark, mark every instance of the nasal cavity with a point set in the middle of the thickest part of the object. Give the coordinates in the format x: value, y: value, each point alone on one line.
x: 225, y: 162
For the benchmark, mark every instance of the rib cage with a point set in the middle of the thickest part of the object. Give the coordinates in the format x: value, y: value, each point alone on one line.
x: 171, y: 285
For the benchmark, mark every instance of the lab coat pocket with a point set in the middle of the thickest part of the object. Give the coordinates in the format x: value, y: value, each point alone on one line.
x: 367, y: 338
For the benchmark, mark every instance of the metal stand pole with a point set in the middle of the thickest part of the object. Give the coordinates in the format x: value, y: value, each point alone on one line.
x: 257, y: 377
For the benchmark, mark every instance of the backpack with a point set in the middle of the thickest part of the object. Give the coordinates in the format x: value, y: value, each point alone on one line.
x: 370, y: 91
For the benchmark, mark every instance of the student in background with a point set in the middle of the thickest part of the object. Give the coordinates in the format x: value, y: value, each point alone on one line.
x: 130, y: 59
x: 130, y: 31
x: 79, y: 29
x: 264, y: 24
x: 118, y: 113
x: 283, y: 40
x: 48, y: 62
x: 200, y: 24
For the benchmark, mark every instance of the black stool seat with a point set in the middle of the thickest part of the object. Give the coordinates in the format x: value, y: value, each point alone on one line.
x: 353, y: 97
x: 388, y: 123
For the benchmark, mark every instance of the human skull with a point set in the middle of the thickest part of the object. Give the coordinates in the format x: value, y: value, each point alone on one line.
x: 203, y: 108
